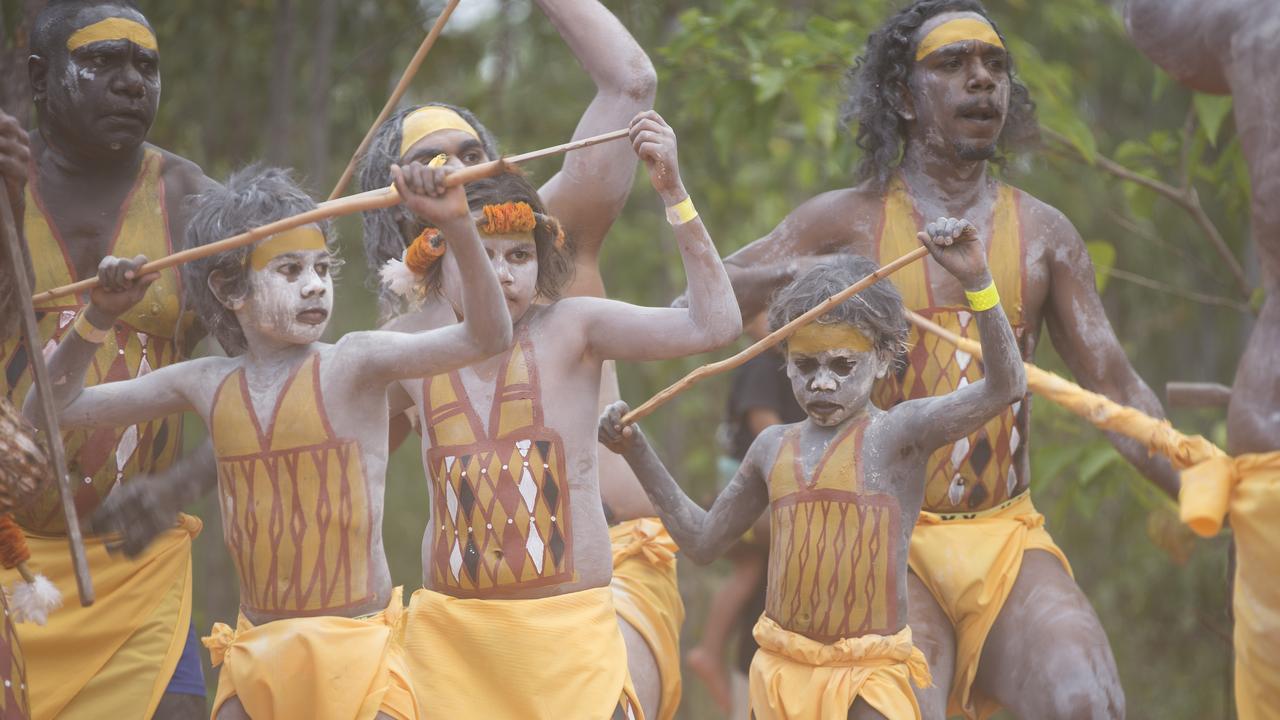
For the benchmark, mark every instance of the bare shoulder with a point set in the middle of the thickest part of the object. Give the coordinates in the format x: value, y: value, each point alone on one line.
x: 764, y: 449
x: 182, y: 176
x: 1040, y: 219
x: 836, y: 217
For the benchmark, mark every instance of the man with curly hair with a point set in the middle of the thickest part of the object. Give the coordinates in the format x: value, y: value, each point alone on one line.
x: 992, y: 601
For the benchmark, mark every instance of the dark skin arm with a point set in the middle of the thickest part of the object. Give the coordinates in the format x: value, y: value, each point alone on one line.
x: 1083, y: 336
x: 14, y: 156
x: 590, y: 190
x: 141, y: 509
x: 703, y: 535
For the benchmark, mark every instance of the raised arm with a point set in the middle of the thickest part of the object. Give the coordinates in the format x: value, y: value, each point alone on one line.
x: 703, y: 535
x: 1084, y: 338
x: 936, y: 421
x: 114, y: 404
x: 485, y: 329
x: 590, y: 190
x: 616, y: 331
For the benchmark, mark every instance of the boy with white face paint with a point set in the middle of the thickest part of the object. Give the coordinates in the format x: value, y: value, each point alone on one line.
x: 517, y: 558
x: 299, y: 432
x: 843, y: 487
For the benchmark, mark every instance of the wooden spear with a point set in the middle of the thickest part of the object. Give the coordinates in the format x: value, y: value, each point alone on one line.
x: 772, y: 338
x: 44, y: 392
x: 405, y: 78
x: 371, y: 200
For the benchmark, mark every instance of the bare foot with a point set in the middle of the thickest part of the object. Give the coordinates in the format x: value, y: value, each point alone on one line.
x: 712, y: 673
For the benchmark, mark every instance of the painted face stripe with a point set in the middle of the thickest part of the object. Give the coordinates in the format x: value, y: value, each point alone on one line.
x: 115, y: 28
x: 307, y: 237
x: 957, y: 31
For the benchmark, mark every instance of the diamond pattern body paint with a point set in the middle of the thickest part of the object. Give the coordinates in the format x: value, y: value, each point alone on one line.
x: 979, y: 471
x: 501, y: 501
x: 144, y: 338
x: 296, y: 513
x: 833, y: 562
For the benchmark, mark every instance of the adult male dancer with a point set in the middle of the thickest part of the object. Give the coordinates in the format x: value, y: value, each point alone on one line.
x: 95, y: 188
x: 935, y: 97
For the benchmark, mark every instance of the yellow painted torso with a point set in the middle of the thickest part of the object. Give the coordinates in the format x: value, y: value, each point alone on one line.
x: 501, y: 501
x: 147, y: 337
x: 979, y: 471
x: 296, y: 512
x: 834, y: 548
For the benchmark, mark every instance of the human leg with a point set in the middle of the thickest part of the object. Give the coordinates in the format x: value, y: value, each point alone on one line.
x: 706, y: 660
x: 646, y: 678
x: 1047, y: 655
x: 933, y: 633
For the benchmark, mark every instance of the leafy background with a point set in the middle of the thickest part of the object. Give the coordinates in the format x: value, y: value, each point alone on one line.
x: 754, y: 89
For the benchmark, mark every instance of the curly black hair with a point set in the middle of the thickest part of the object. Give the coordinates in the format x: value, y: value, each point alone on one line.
x: 877, y: 311
x: 883, y: 71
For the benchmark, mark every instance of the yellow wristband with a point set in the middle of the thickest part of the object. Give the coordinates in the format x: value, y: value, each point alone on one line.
x: 984, y: 299
x: 682, y: 212
x: 89, y: 332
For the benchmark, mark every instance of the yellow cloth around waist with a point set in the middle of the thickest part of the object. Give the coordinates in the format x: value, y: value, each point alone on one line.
x: 322, y: 668
x: 538, y: 659
x: 797, y: 678
x: 115, y: 658
x: 647, y: 595
x: 969, y: 565
x: 1248, y: 487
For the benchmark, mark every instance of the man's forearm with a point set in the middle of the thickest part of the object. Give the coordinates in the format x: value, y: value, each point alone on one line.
x: 70, y: 361
x: 753, y: 286
x: 610, y: 55
x: 1155, y: 468
x: 713, y: 310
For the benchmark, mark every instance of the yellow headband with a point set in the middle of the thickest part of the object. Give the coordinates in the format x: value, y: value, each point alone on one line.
x: 307, y: 237
x: 115, y: 28
x: 817, y: 337
x: 426, y: 120
x: 955, y: 31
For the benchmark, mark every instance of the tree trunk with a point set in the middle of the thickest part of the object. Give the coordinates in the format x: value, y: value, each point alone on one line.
x: 15, y: 91
x: 321, y: 79
x: 279, y: 114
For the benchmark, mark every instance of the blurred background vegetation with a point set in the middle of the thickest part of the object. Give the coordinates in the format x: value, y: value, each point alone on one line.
x: 1149, y: 172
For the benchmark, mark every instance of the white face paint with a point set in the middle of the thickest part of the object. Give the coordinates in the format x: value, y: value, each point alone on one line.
x: 290, y: 299
x: 834, y: 385
x: 515, y: 262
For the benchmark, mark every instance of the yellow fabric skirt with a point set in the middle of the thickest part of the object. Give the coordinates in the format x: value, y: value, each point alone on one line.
x: 115, y: 658
x: 797, y: 678
x: 326, y: 667
x: 969, y: 563
x: 1248, y: 487
x: 550, y: 658
x: 647, y: 596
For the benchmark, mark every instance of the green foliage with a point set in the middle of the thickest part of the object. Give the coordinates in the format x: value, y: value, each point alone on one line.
x: 754, y: 89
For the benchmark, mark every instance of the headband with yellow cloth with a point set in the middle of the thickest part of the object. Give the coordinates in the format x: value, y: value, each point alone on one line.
x: 115, y: 28
x: 817, y: 337
x: 429, y: 119
x: 307, y: 237
x: 955, y: 31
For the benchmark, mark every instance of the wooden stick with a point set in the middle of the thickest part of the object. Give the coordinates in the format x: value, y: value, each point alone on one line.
x: 1197, y: 394
x: 772, y: 338
x: 403, y: 85
x: 44, y: 392
x: 371, y: 200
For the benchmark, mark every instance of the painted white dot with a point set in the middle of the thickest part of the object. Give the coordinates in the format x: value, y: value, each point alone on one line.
x: 484, y: 471
x: 553, y: 518
x: 504, y: 467
x: 468, y: 528
x: 88, y: 481
x: 7, y: 683
x: 544, y: 465
x: 509, y: 521
x: 488, y: 526
x: 464, y: 473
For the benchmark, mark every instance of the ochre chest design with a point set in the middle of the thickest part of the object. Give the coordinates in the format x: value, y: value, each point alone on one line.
x: 978, y: 471
x: 499, y: 496
x: 296, y: 512
x: 145, y: 338
x: 833, y: 555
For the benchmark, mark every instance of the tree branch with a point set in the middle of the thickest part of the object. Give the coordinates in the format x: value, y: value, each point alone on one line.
x: 1191, y: 295
x: 1187, y: 199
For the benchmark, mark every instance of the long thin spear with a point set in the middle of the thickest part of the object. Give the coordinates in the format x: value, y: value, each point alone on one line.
x: 44, y: 391
x: 371, y: 200
x: 772, y: 338
x: 410, y: 70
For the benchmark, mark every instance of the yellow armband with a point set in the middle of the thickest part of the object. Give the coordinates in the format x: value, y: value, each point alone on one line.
x: 89, y: 332
x: 984, y: 299
x: 682, y: 212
